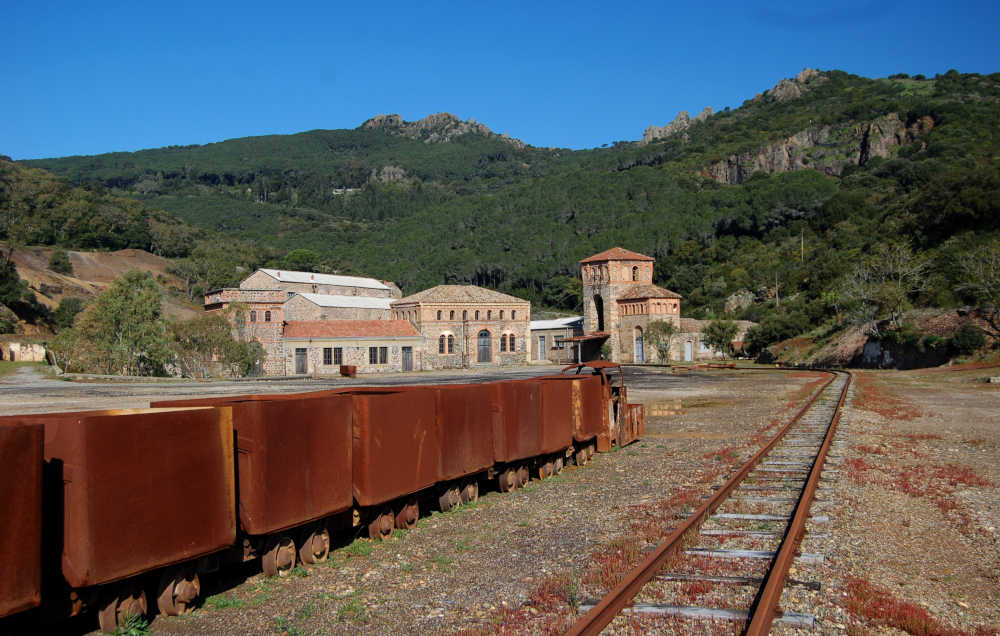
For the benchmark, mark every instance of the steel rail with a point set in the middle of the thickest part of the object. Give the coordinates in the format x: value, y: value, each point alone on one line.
x: 765, y: 606
x: 617, y: 599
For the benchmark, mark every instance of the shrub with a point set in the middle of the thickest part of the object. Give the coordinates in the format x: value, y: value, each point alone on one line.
x: 968, y: 339
x: 59, y: 262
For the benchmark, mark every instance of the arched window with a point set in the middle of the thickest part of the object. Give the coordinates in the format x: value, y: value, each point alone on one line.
x: 451, y: 315
x: 451, y: 343
x: 441, y: 342
x: 510, y: 343
x: 501, y: 314
x: 503, y: 343
x: 489, y: 314
x: 267, y: 316
x: 639, y: 350
x: 635, y: 272
x: 477, y: 314
x: 253, y: 316
x: 439, y: 314
x: 465, y: 314
x: 513, y: 315
x: 485, y: 347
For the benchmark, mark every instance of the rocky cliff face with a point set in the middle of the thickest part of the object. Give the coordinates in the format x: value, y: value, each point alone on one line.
x: 792, y: 87
x: 828, y: 149
x: 436, y: 128
x: 680, y: 123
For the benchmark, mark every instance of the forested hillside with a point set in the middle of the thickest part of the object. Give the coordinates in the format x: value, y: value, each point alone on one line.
x: 771, y: 210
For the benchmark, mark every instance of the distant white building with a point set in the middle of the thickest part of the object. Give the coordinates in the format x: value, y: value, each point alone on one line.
x: 550, y: 339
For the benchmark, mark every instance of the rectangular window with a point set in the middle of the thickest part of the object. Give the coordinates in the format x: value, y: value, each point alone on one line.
x: 503, y: 343
x: 338, y: 355
x: 383, y: 355
x: 372, y: 355
x: 557, y: 342
x: 327, y: 356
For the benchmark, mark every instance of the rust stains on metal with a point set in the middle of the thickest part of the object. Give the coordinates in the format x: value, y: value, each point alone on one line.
x: 766, y: 605
x: 21, y: 502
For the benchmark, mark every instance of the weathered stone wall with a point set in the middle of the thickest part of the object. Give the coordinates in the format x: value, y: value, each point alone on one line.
x: 609, y: 280
x: 299, y: 308
x: 354, y: 352
x: 564, y: 355
x: 21, y: 351
x: 261, y: 280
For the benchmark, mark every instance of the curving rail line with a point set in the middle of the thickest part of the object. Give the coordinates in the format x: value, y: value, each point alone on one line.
x: 763, y: 610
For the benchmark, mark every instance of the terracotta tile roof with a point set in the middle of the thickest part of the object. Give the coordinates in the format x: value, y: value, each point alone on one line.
x: 350, y: 329
x: 647, y: 291
x: 617, y: 254
x: 459, y: 294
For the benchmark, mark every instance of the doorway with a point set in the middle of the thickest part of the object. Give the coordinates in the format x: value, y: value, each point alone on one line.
x: 687, y: 351
x: 407, y: 358
x: 640, y: 354
x: 485, y: 348
x: 300, y: 361
x: 540, y: 354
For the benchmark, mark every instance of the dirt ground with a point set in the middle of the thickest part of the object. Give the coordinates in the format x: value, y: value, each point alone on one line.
x: 911, y: 544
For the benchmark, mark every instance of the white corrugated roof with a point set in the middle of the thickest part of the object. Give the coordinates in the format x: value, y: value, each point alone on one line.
x: 323, y: 279
x: 359, y: 302
x: 557, y: 323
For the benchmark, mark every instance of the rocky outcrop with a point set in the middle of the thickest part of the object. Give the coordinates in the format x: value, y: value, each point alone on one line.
x: 828, y: 149
x: 680, y: 123
x: 792, y: 88
x: 436, y: 128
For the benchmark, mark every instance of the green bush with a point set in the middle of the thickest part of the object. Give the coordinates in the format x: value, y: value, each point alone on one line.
x: 59, y: 262
x: 968, y: 339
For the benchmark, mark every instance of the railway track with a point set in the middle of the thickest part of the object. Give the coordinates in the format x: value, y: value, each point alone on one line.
x: 730, y: 560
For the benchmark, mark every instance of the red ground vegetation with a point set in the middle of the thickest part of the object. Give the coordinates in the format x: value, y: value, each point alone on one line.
x: 878, y: 607
x: 873, y: 396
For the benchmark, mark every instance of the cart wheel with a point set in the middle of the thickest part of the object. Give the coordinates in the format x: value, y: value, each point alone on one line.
x: 449, y: 498
x: 315, y: 545
x: 558, y: 465
x: 470, y: 491
x: 523, y: 477
x: 406, y: 518
x: 178, y: 590
x: 279, y: 556
x: 507, y: 480
x: 380, y: 527
x: 120, y: 602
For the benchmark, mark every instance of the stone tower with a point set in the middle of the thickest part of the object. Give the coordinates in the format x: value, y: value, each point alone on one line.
x: 606, y: 277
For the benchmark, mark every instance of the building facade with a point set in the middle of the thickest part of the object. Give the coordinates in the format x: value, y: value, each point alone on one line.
x: 468, y: 326
x: 620, y: 300
x: 273, y: 297
x: 320, y: 347
x: 551, y: 339
x: 307, y: 306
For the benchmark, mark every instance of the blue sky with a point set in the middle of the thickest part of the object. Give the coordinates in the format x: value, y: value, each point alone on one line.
x: 87, y: 78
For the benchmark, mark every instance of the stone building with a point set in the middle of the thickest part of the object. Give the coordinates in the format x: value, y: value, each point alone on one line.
x: 303, y: 306
x: 619, y: 302
x: 688, y: 344
x: 552, y: 339
x: 273, y: 297
x: 310, y: 282
x: 466, y: 325
x: 18, y: 351
x: 319, y: 347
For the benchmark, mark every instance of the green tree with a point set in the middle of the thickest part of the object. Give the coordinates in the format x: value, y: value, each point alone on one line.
x: 719, y: 335
x: 66, y: 312
x: 981, y: 278
x: 59, y: 262
x: 302, y: 260
x: 121, y: 332
x: 659, y: 333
